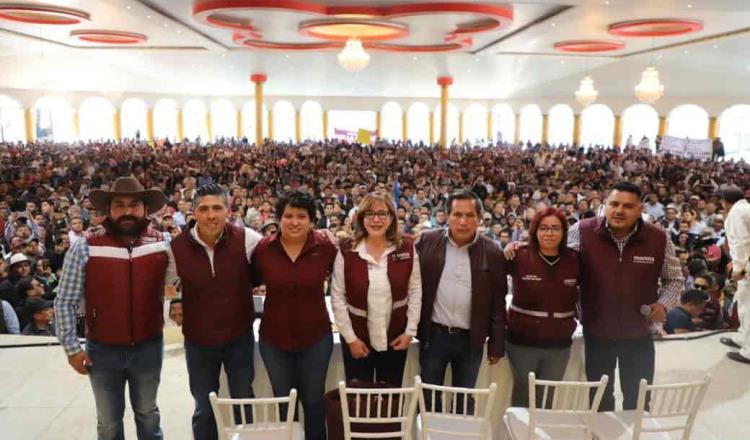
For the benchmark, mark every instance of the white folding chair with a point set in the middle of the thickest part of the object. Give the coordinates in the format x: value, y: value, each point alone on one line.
x: 450, y: 412
x: 672, y: 409
x: 266, y: 424
x: 564, y: 411
x: 377, y: 407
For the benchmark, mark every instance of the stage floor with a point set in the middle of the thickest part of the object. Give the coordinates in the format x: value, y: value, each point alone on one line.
x: 41, y: 397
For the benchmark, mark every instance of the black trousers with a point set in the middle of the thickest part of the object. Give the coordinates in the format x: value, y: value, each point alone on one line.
x: 384, y: 366
x: 635, y: 359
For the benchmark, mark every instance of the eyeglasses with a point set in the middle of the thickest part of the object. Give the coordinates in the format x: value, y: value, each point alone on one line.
x: 700, y: 286
x: 383, y: 215
x: 548, y: 229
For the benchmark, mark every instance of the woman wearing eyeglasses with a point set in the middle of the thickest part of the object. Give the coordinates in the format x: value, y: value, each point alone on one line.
x: 541, y: 319
x: 376, y: 293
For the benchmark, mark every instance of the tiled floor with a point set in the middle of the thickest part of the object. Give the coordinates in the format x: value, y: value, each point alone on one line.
x: 41, y: 397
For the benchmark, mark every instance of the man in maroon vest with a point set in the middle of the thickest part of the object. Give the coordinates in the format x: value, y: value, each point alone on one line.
x: 464, y: 283
x: 213, y: 265
x: 630, y: 278
x: 121, y: 272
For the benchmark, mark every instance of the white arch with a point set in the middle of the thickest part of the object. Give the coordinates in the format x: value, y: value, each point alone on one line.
x: 133, y: 118
x: 560, y: 120
x: 194, y: 120
x: 734, y: 131
x: 248, y: 121
x: 503, y: 123
x: 640, y: 120
x: 54, y: 119
x: 165, y: 119
x: 597, y: 125
x: 223, y: 119
x: 391, y: 121
x: 283, y: 121
x: 475, y: 123
x: 688, y: 121
x: 418, y: 123
x: 12, y: 124
x: 96, y: 116
x: 311, y: 119
x: 452, y: 124
x: 531, y: 124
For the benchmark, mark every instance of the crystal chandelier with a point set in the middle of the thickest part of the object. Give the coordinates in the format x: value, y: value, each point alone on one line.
x: 649, y: 90
x: 353, y: 58
x: 586, y: 94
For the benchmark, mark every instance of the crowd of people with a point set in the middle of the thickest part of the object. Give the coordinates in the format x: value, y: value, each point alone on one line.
x: 383, y: 221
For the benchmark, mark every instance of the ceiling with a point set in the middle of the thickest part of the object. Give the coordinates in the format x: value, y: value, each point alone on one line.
x: 185, y: 54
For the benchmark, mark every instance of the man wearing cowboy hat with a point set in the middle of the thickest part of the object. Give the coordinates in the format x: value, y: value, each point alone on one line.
x: 121, y: 273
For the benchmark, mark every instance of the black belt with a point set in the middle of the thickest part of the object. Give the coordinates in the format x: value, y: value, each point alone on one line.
x: 450, y: 330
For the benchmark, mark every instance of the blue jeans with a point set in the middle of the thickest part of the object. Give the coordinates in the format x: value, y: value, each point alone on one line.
x: 306, y: 371
x: 454, y: 349
x: 140, y: 367
x: 204, y: 366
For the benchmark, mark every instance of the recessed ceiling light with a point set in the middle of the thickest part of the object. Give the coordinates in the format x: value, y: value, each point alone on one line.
x: 607, y: 2
x: 415, y: 58
x: 127, y: 7
x: 716, y: 46
x: 554, y: 24
x: 149, y: 17
x: 562, y: 61
x: 685, y: 51
x: 690, y: 6
x: 286, y: 56
x: 179, y: 31
x: 166, y: 24
x: 223, y: 55
x: 468, y: 70
x: 660, y: 56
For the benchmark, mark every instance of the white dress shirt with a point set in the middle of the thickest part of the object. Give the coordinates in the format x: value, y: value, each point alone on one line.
x: 379, y: 301
x: 453, y: 300
x: 737, y: 227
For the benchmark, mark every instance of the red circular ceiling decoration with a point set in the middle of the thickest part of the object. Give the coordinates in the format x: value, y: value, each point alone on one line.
x: 42, y: 14
x: 659, y: 27
x: 341, y: 29
x: 334, y: 24
x: 108, y: 37
x: 588, y: 46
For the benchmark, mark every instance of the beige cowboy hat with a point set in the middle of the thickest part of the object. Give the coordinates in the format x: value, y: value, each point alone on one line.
x: 128, y: 186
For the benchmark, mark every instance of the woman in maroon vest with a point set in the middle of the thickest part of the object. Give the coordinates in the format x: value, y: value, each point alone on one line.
x: 376, y: 294
x: 541, y: 316
x: 295, y: 332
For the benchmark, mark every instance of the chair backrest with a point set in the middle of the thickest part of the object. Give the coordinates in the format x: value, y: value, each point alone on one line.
x: 255, y: 415
x: 564, y: 406
x: 672, y: 407
x: 385, y: 409
x: 455, y: 412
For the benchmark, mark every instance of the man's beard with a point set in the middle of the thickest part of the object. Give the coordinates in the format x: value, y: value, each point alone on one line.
x: 135, y: 228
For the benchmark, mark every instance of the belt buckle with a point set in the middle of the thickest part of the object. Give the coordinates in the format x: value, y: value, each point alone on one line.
x: 453, y: 330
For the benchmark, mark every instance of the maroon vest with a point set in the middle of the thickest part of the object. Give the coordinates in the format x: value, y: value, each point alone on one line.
x: 615, y: 285
x: 125, y: 288
x: 539, y: 287
x: 217, y: 305
x: 400, y: 263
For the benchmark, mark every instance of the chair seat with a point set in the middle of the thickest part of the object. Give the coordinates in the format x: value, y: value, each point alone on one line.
x: 268, y: 434
x: 618, y: 425
x: 517, y: 423
x: 452, y: 423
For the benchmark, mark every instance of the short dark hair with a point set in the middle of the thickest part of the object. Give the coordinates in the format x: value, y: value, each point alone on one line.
x: 630, y: 187
x: 731, y: 194
x: 465, y: 195
x: 297, y: 199
x: 210, y: 189
x: 175, y: 301
x: 694, y: 297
